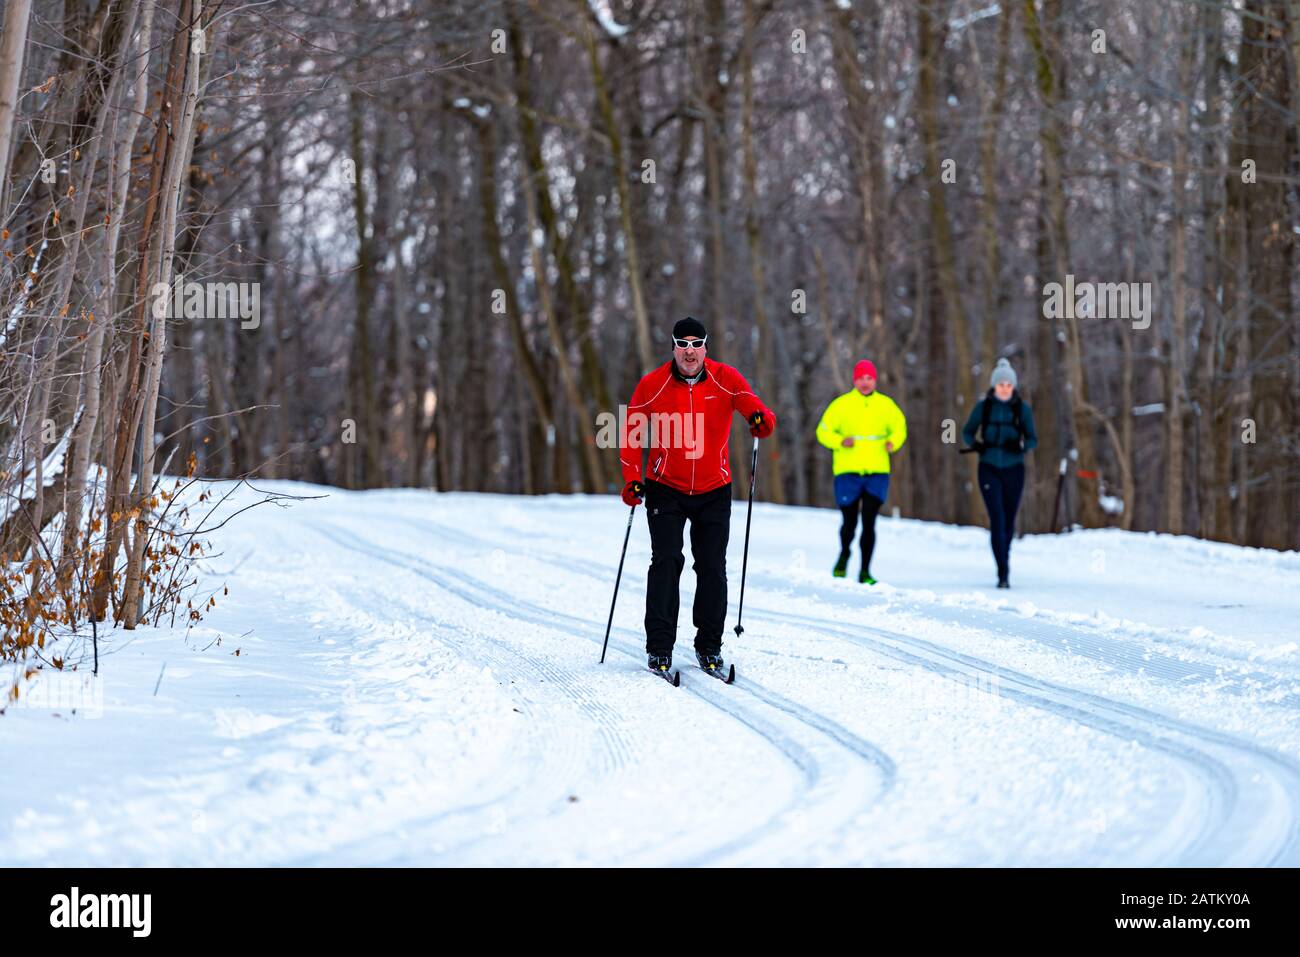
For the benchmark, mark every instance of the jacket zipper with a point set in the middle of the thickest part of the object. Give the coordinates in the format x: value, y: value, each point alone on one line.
x: 690, y: 391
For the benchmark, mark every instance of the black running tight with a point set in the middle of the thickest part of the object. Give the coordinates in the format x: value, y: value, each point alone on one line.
x: 870, y: 506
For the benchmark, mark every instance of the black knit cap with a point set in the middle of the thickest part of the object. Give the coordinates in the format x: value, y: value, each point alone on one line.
x: 690, y: 326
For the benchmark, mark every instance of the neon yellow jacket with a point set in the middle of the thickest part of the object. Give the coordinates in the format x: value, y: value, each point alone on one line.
x: 872, y: 420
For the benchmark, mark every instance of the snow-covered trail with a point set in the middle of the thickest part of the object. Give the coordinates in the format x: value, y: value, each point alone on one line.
x: 418, y: 683
x: 826, y: 771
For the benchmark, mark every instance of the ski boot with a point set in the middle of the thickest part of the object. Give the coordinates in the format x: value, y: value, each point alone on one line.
x: 715, y: 667
x: 841, y: 565
x: 864, y: 578
x: 711, y: 662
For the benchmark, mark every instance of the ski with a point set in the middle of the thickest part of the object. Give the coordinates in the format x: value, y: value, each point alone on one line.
x: 674, y: 678
x: 729, y: 678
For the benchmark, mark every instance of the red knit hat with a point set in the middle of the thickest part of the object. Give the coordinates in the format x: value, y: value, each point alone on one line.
x: 864, y: 367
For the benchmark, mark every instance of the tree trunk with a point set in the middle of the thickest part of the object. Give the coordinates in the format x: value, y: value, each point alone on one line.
x: 101, y: 316
x: 592, y: 471
x: 131, y: 407
x: 363, y: 472
x: 954, y: 328
x: 173, y: 187
x: 991, y: 260
x: 1176, y: 376
x: 868, y: 167
x: 1053, y: 147
x: 17, y: 15
x: 1271, y: 254
x: 644, y: 349
x: 766, y: 343
x: 595, y: 392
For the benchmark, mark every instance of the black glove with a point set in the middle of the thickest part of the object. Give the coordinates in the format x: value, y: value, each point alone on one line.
x: 1011, y: 445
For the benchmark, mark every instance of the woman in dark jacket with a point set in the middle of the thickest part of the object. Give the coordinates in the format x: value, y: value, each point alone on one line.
x: 1006, y: 432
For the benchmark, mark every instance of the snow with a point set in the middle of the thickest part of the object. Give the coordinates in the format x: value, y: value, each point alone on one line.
x: 16, y: 313
x: 417, y: 683
x: 600, y: 10
x: 957, y: 24
x: 51, y: 469
x: 482, y: 111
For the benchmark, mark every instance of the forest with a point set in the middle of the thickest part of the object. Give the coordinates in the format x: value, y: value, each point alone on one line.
x: 429, y: 243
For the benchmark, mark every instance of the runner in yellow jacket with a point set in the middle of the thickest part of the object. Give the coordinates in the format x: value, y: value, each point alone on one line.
x: 863, y: 428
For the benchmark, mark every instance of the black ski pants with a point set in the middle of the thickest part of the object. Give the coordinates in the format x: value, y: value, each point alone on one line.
x: 667, y: 512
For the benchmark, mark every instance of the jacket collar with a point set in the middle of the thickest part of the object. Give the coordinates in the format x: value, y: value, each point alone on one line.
x: 699, y: 376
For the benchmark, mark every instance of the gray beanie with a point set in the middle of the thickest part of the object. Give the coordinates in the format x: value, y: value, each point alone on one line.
x: 1002, y: 372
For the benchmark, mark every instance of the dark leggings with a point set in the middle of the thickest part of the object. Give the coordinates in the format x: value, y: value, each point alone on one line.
x: 870, y: 506
x: 1001, y: 488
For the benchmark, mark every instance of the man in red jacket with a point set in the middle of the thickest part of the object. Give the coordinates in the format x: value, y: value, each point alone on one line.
x: 681, y: 413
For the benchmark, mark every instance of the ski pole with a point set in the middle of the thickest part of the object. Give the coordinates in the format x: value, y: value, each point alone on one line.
x: 744, y: 567
x: 617, y: 579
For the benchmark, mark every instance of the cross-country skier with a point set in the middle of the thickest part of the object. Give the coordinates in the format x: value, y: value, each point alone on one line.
x: 688, y: 478
x: 863, y: 427
x: 1006, y: 427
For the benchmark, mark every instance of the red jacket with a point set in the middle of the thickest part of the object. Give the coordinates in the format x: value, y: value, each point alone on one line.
x: 686, y: 427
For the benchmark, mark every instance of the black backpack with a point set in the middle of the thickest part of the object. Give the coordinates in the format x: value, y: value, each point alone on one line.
x: 988, y: 411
